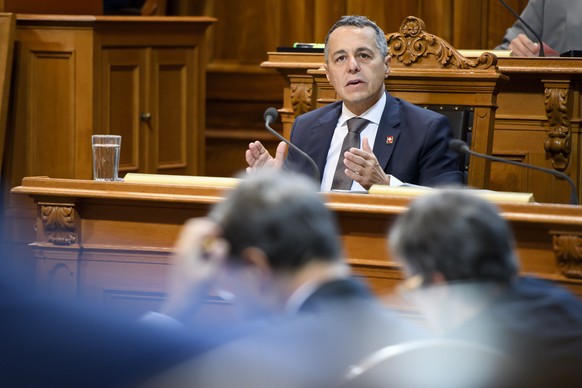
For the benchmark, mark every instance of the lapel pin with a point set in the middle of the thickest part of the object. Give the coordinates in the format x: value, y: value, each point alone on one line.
x: 389, y: 139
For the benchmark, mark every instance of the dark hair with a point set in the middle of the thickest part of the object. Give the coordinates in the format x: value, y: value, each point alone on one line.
x: 360, y: 22
x: 456, y: 234
x: 281, y: 213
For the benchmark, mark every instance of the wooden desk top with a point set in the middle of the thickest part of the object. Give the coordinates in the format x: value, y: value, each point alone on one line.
x: 44, y: 187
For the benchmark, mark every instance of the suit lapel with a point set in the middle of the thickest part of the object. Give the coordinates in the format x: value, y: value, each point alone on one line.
x: 388, y: 131
x: 321, y: 134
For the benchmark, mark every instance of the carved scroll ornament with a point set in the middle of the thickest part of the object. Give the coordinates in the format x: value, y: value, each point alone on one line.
x: 59, y: 224
x: 559, y: 139
x: 301, y: 98
x: 568, y: 251
x: 412, y: 43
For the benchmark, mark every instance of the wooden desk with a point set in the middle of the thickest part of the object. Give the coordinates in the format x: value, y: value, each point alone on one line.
x: 140, y: 77
x: 108, y: 243
x: 537, y: 120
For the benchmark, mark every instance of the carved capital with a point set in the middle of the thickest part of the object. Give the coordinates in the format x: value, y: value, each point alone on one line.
x: 301, y: 98
x: 558, y: 142
x: 59, y: 224
x: 568, y: 251
x: 412, y: 43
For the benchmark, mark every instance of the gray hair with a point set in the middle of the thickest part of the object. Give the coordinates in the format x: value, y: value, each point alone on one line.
x: 360, y: 22
x: 282, y: 214
x: 456, y: 234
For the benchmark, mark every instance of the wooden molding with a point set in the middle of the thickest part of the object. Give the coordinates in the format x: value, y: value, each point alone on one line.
x: 59, y: 224
x: 568, y: 251
x: 558, y: 142
x: 412, y: 44
x: 301, y: 97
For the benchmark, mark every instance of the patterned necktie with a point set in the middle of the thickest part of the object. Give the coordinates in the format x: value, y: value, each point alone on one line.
x: 340, y: 180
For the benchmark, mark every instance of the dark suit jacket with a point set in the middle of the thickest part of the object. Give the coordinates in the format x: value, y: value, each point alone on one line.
x: 418, y: 153
x: 337, y: 326
x: 45, y: 343
x: 539, y: 324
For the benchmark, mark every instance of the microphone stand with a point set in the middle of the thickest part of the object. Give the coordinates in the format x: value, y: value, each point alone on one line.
x: 272, y: 116
x: 540, y: 42
x: 456, y: 145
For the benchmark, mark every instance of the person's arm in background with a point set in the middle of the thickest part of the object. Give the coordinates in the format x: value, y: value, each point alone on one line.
x: 520, y: 40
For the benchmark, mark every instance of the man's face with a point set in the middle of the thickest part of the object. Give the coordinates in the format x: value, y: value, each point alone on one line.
x: 355, y: 67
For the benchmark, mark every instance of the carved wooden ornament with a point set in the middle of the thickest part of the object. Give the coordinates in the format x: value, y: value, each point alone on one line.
x: 559, y: 139
x: 568, y: 251
x: 59, y: 224
x: 412, y: 44
x: 301, y: 98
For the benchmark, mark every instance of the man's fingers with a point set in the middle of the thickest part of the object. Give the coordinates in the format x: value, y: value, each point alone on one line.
x: 366, y: 145
x: 523, y: 46
x: 280, y: 152
x: 194, y: 232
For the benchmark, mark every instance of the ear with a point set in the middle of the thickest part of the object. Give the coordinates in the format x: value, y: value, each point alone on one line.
x: 327, y: 73
x: 257, y: 266
x: 387, y: 65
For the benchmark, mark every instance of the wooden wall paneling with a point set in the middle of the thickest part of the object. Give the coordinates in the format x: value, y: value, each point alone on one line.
x: 236, y: 101
x: 124, y: 77
x: 438, y: 15
x: 59, y: 7
x: 50, y: 61
x: 7, y: 33
x: 288, y: 29
x: 245, y: 30
x: 498, y: 20
x: 387, y: 15
x: 467, y: 23
x: 175, y: 83
x: 326, y: 13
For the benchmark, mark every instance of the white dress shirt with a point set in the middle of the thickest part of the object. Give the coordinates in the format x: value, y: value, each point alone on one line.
x: 373, y: 115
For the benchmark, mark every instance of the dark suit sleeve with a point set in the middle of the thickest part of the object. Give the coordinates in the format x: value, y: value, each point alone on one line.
x: 45, y: 343
x: 293, y: 162
x: 438, y: 165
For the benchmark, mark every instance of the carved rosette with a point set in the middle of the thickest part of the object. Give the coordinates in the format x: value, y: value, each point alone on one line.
x: 301, y: 98
x: 412, y: 43
x: 559, y: 139
x: 59, y: 224
x: 568, y: 251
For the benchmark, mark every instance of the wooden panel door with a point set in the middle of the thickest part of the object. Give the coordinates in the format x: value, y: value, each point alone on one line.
x: 51, y: 108
x: 175, y: 136
x: 124, y: 104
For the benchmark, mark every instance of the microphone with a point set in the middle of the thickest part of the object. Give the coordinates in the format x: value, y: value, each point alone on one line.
x: 270, y: 116
x: 541, y: 53
x: 461, y: 147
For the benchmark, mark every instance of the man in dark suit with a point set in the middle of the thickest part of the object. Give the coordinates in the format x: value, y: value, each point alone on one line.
x: 458, y: 255
x: 399, y: 141
x: 273, y: 245
x: 45, y: 343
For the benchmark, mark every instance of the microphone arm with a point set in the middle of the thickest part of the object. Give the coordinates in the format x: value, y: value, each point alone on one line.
x: 540, y: 42
x: 460, y: 146
x: 270, y: 116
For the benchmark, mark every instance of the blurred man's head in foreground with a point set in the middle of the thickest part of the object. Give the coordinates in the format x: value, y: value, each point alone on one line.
x: 454, y: 236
